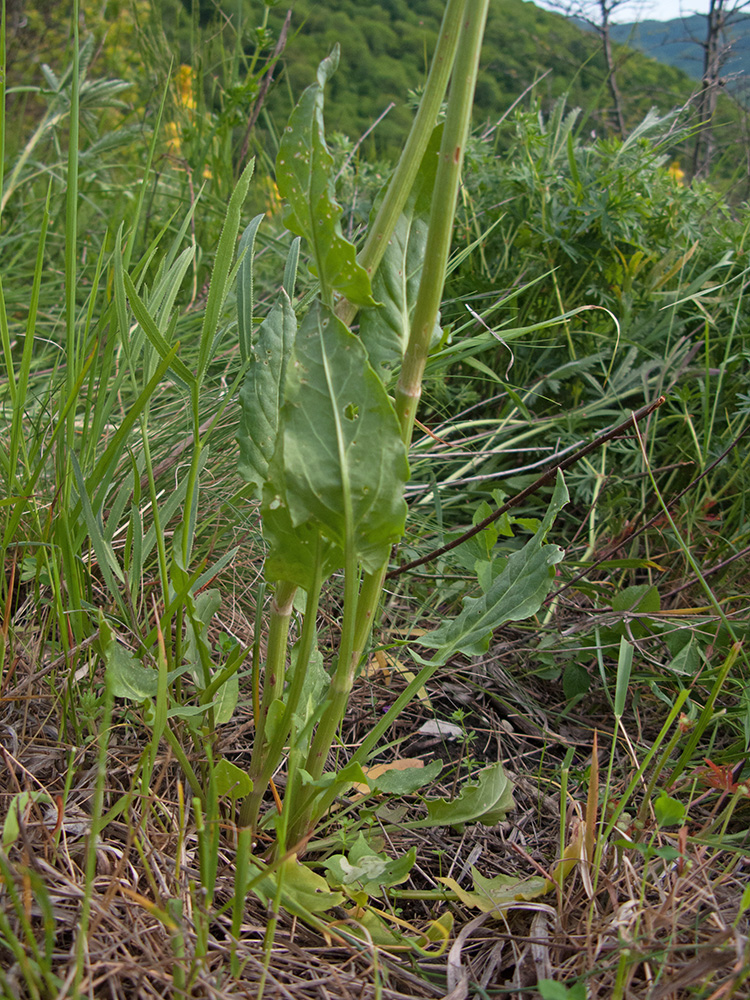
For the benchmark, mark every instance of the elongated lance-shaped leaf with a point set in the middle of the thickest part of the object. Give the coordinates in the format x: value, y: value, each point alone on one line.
x: 262, y: 394
x: 220, y: 274
x: 344, y: 463
x: 245, y: 286
x: 304, y: 174
x: 384, y: 329
x: 516, y: 594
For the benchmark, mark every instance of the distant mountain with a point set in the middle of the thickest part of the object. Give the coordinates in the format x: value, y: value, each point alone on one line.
x: 384, y: 50
x: 679, y: 43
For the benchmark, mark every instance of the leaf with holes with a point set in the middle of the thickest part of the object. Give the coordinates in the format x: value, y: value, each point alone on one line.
x: 344, y: 463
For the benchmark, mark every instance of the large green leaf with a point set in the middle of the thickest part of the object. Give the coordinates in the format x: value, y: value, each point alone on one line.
x: 292, y: 550
x: 344, y: 463
x: 384, y: 329
x: 516, y: 594
x: 305, y: 177
x: 262, y: 394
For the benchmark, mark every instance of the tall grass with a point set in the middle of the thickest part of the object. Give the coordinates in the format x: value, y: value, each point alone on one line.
x: 594, y: 283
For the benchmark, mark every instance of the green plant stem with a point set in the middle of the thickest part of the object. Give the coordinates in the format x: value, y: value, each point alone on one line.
x: 445, y: 194
x: 71, y: 251
x: 406, y: 170
x: 275, y: 748
x: 437, y: 249
x: 273, y: 682
x: 339, y: 691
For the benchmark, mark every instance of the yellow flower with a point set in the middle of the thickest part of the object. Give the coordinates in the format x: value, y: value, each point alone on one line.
x: 677, y: 174
x: 184, y: 85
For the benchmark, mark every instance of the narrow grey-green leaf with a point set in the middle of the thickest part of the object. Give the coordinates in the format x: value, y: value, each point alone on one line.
x: 304, y: 174
x: 516, y: 594
x: 384, y: 328
x: 344, y: 461
x: 262, y: 393
x: 245, y: 286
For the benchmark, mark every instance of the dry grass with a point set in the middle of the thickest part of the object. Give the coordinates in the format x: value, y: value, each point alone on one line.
x: 639, y: 927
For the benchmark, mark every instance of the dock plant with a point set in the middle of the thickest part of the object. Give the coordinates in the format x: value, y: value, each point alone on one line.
x: 328, y: 409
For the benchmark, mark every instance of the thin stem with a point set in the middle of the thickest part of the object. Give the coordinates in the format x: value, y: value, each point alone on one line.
x: 444, y: 198
x: 71, y: 249
x: 273, y: 682
x: 408, y: 165
x: 274, y: 751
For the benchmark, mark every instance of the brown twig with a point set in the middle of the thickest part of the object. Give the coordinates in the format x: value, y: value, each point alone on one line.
x: 542, y: 480
x: 263, y: 89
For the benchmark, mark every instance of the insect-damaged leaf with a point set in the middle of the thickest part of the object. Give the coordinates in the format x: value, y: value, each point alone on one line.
x: 262, y: 394
x: 304, y: 174
x: 344, y: 463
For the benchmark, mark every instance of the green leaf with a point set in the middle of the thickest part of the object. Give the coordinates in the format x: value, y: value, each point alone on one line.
x: 493, y: 895
x: 550, y: 990
x: 669, y: 811
x: 231, y: 780
x: 368, y: 871
x: 226, y: 700
x: 516, y: 594
x: 641, y: 599
x: 245, y: 300
x: 315, y: 684
x: 405, y: 782
x: 292, y: 551
x: 199, y: 611
x: 262, y: 393
x: 220, y: 274
x: 303, y: 891
x: 384, y: 329
x: 305, y: 177
x: 488, y: 801
x: 17, y: 807
x: 344, y: 463
x: 576, y: 681
x: 127, y: 677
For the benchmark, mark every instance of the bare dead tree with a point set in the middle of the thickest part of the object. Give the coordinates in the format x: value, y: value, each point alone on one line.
x: 598, y: 14
x: 717, y: 47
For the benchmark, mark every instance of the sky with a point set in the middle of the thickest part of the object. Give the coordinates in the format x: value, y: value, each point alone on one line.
x: 661, y: 10
x: 658, y: 10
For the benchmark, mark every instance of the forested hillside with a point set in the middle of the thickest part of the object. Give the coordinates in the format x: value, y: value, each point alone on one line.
x: 384, y: 50
x: 679, y: 43
x: 384, y: 53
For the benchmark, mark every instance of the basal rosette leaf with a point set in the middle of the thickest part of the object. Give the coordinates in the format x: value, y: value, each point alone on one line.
x: 515, y: 594
x: 262, y: 393
x: 344, y: 463
x: 305, y: 178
